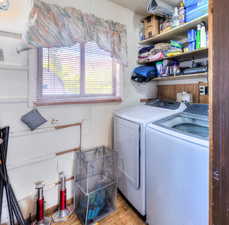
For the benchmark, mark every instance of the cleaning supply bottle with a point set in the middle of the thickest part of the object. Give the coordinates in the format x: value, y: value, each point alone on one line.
x: 175, y: 18
x: 181, y: 13
x: 198, y: 36
x: 203, y: 36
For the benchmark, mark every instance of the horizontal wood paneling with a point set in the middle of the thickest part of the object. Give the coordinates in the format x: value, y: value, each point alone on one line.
x: 42, y: 144
x: 169, y: 92
x: 205, y: 98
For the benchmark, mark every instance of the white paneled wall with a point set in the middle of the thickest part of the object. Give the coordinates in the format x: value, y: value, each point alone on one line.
x: 32, y: 155
x: 58, y: 140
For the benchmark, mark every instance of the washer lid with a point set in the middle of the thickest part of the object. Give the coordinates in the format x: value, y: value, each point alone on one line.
x: 146, y: 113
x: 187, y: 123
x: 191, y: 127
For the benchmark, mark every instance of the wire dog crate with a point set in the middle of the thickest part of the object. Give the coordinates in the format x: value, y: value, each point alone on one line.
x: 96, y: 184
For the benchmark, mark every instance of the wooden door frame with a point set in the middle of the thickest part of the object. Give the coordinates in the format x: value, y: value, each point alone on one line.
x: 219, y: 111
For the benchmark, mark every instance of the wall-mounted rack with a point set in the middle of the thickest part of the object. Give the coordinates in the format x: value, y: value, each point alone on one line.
x: 174, y: 33
x: 177, y: 34
x: 196, y: 54
x: 11, y: 35
x: 181, y: 77
x: 12, y: 67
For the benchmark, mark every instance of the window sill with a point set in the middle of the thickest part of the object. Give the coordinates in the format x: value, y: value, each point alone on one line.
x: 80, y: 101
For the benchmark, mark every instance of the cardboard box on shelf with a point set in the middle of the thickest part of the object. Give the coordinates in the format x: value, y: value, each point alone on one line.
x: 151, y: 26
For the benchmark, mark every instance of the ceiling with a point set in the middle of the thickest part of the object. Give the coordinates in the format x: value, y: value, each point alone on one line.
x: 139, y: 6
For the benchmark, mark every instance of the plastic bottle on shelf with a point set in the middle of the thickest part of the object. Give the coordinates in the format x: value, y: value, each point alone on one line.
x: 175, y: 19
x: 198, y: 36
x: 141, y: 33
x: 203, y: 36
x: 181, y: 13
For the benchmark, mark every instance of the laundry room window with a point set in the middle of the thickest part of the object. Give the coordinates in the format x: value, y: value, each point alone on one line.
x: 83, y: 73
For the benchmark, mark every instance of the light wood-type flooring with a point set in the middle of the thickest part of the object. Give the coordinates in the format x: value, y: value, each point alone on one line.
x: 124, y: 215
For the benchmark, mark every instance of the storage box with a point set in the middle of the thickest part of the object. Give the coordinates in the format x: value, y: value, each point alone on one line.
x: 96, y: 184
x: 188, y: 3
x: 191, y: 35
x: 198, y: 9
x: 151, y: 26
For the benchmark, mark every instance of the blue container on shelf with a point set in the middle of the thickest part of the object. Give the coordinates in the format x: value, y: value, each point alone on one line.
x: 191, y: 34
x: 188, y: 3
x: 192, y: 46
x: 197, y: 9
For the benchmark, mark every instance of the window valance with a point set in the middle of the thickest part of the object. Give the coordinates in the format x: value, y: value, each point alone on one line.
x: 54, y: 26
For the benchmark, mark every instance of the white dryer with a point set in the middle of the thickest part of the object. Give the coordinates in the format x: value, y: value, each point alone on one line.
x: 129, y: 142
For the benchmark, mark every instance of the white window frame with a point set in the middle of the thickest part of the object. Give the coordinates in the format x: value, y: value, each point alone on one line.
x: 81, y: 98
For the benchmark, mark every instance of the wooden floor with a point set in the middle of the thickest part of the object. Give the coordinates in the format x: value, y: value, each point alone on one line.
x: 124, y: 215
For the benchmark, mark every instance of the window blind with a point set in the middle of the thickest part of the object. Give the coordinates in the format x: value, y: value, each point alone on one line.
x: 60, y: 72
x: 98, y: 70
x: 80, y: 71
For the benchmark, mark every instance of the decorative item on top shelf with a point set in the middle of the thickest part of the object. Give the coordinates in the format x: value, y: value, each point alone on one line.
x: 159, y: 8
x: 4, y: 5
x: 151, y: 26
x: 169, y: 17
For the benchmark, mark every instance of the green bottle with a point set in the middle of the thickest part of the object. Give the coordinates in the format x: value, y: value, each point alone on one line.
x: 198, y: 36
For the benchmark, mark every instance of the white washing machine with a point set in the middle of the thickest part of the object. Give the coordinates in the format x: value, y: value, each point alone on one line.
x: 177, y: 169
x: 129, y: 142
